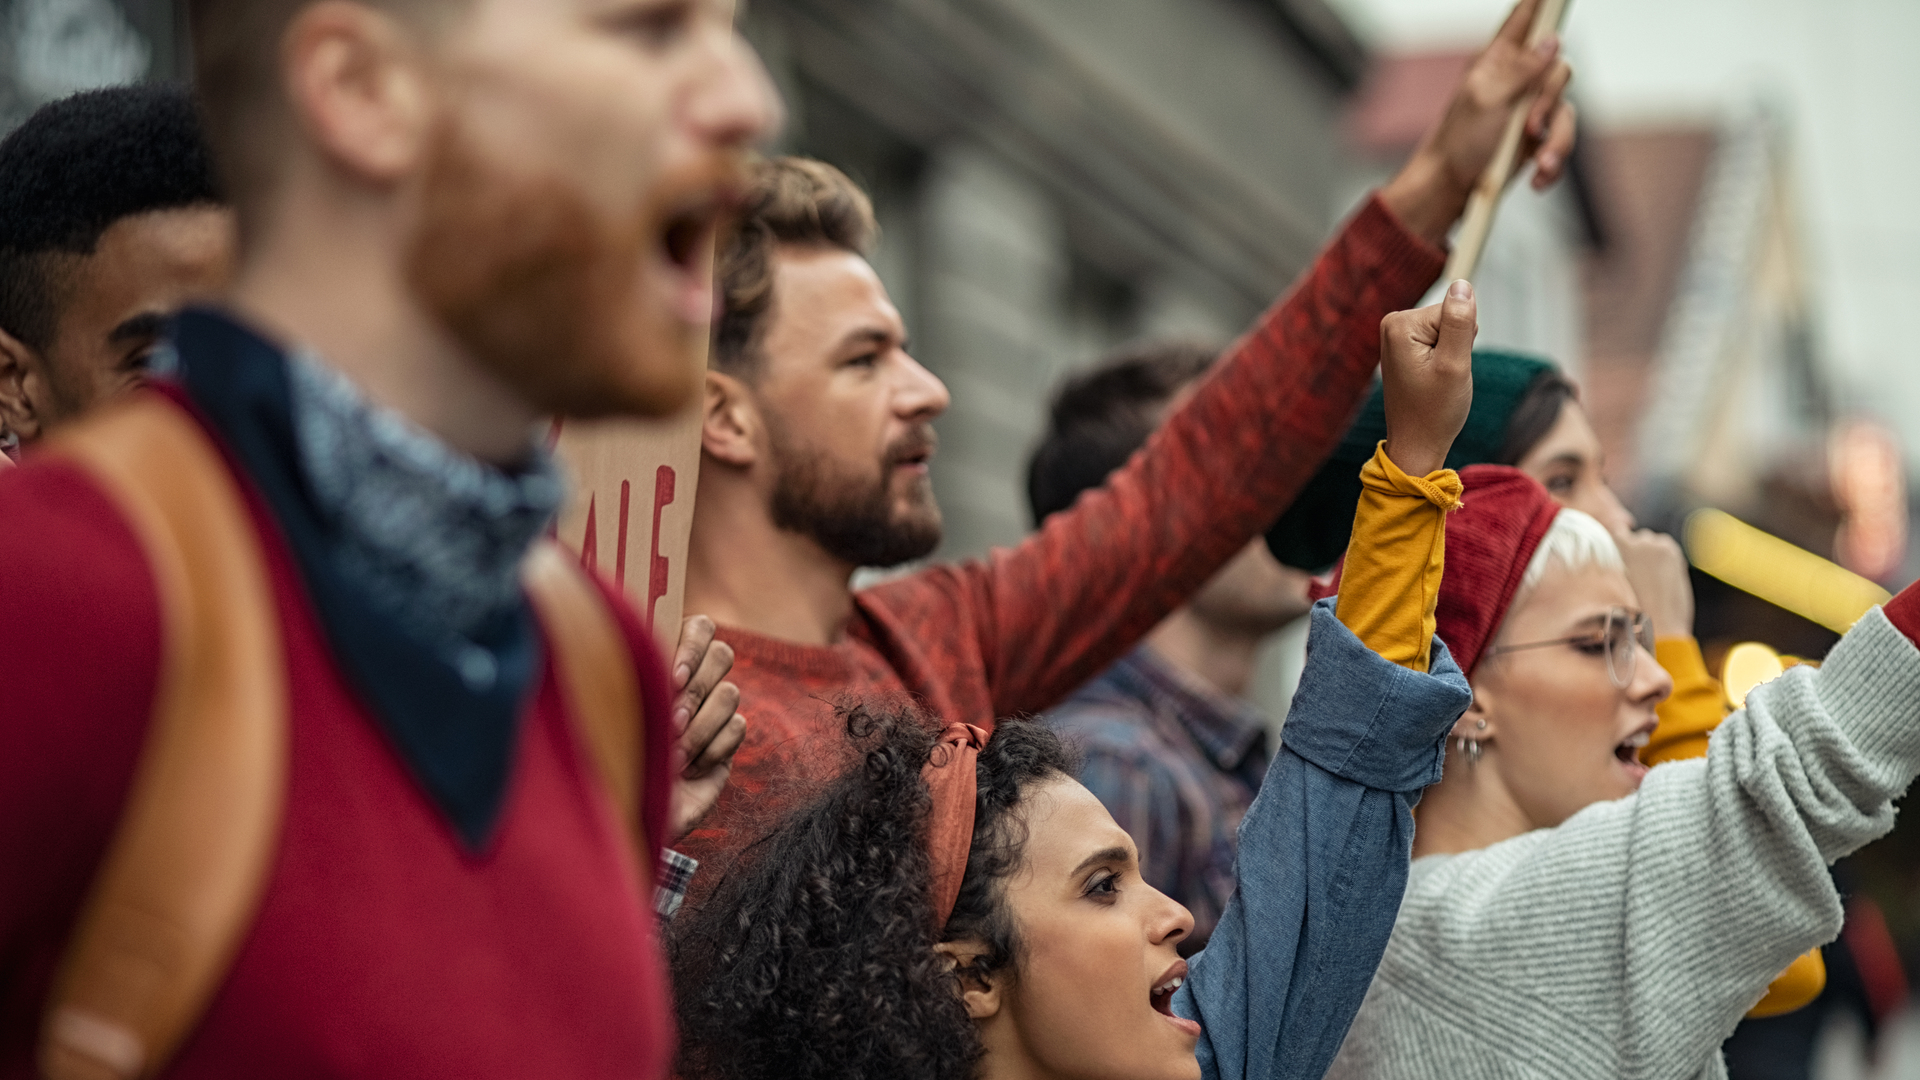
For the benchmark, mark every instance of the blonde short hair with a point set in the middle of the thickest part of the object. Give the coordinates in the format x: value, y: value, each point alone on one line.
x: 1576, y: 541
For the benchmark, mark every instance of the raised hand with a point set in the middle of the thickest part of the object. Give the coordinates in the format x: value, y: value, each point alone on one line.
x: 1426, y: 364
x: 1431, y: 191
x: 1657, y: 568
x: 707, y: 725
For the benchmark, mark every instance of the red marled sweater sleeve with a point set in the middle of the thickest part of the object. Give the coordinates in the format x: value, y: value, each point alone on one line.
x: 1057, y: 609
x: 1903, y: 612
x: 79, y: 657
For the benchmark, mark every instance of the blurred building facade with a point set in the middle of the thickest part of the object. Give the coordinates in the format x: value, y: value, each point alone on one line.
x: 52, y: 48
x: 1057, y: 177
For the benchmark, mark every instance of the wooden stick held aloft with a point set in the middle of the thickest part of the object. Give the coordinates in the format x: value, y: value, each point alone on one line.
x: 1485, y: 200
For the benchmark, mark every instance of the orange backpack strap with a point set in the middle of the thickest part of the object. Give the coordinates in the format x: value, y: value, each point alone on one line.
x: 183, y: 875
x: 594, y: 664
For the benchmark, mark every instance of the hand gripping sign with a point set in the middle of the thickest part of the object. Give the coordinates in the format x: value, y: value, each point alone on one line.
x: 1471, y: 240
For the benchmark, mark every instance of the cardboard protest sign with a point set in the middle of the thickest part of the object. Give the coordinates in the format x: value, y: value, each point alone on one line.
x: 630, y: 512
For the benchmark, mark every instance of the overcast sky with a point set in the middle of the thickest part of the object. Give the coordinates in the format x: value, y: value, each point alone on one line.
x: 1846, y: 76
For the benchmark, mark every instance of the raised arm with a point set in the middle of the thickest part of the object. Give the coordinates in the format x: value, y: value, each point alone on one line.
x: 1324, y: 848
x: 1055, y: 610
x: 1677, y: 905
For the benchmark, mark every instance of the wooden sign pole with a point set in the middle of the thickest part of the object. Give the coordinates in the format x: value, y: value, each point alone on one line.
x: 630, y: 514
x: 1478, y: 221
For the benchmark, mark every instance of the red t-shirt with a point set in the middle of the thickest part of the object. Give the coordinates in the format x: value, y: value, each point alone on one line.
x: 1019, y: 630
x: 383, y: 947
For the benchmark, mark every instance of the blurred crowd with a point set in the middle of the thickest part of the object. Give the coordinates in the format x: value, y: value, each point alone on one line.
x: 320, y: 754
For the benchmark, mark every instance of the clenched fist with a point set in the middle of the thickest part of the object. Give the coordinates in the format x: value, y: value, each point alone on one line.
x: 1426, y: 364
x: 1657, y: 569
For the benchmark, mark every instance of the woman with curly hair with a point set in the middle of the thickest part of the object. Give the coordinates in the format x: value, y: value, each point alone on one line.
x: 956, y: 906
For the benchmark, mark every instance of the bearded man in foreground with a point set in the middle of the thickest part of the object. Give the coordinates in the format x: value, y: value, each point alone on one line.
x: 308, y: 767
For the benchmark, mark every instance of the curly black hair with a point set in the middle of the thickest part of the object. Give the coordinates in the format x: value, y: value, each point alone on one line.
x: 814, y: 957
x: 75, y: 168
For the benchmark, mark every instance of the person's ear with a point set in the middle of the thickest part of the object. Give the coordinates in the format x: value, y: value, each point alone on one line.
x: 1477, y: 722
x: 980, y: 993
x: 19, y: 365
x: 359, y: 86
x: 730, y: 428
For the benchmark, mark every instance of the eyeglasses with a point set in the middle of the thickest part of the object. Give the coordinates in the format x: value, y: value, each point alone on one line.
x: 1620, y: 634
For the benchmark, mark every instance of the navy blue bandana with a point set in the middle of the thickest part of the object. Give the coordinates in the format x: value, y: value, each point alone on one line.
x: 409, y: 550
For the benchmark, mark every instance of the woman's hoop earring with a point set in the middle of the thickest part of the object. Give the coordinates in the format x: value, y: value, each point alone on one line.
x: 1471, y: 749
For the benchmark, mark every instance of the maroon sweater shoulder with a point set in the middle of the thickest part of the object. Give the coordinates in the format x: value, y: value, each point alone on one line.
x: 656, y: 711
x: 79, y: 659
x: 383, y: 947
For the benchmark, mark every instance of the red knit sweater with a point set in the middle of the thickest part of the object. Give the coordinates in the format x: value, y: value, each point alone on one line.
x: 383, y: 947
x: 1018, y: 631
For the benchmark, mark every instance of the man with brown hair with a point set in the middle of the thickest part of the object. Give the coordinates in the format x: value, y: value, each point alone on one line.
x: 819, y: 429
x: 456, y: 217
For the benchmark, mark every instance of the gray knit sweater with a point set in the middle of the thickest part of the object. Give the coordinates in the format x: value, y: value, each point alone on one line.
x: 1628, y: 942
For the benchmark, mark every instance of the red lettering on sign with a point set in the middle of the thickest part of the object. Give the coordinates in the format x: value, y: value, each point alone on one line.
x: 590, y: 543
x: 620, y: 560
x: 657, y: 566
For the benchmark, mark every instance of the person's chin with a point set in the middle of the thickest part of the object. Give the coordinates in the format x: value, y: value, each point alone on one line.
x: 1624, y: 781
x: 649, y: 367
x: 1177, y: 1061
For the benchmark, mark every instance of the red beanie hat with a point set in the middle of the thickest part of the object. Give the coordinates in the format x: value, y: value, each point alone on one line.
x: 1503, y: 516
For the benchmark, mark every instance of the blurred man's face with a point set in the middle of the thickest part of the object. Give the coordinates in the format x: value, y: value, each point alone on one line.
x: 587, y: 152
x: 115, y: 304
x: 848, y: 413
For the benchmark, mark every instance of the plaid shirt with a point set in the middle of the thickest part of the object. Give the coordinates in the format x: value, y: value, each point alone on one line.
x: 670, y: 889
x: 1177, y: 763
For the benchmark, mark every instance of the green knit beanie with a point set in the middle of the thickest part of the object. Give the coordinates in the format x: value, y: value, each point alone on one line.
x: 1313, y: 533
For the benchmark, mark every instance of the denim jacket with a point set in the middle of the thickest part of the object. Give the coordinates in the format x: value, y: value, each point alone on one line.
x: 1323, y: 860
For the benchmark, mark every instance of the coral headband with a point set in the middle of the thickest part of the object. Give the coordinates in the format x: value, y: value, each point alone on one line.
x: 951, y: 780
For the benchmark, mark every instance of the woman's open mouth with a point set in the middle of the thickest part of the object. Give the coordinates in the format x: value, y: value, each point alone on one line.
x: 1627, y: 752
x: 1160, y: 996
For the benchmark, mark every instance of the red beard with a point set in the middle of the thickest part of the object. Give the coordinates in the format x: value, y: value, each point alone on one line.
x: 545, y: 292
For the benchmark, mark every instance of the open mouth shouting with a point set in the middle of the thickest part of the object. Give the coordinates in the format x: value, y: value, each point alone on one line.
x: 685, y: 251
x: 1627, y: 752
x: 1160, y: 996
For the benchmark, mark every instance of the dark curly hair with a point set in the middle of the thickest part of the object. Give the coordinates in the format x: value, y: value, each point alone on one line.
x: 75, y: 168
x: 814, y: 957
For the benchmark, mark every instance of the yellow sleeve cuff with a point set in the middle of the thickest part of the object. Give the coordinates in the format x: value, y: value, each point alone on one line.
x: 1696, y: 706
x: 1391, y: 582
x: 1793, y: 988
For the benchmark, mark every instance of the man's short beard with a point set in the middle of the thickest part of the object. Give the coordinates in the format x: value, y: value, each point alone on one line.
x: 541, y: 289
x: 850, y: 517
